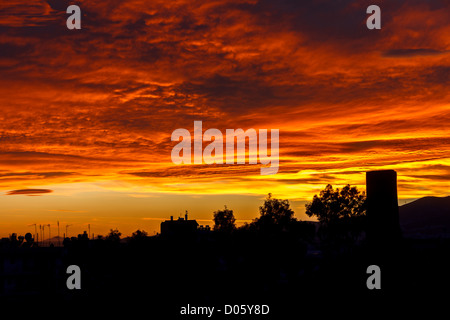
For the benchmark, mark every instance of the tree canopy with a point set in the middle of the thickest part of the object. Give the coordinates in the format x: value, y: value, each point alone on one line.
x: 332, y: 205
x: 341, y: 213
x: 139, y: 234
x: 114, y: 235
x: 275, y: 215
x: 224, y: 220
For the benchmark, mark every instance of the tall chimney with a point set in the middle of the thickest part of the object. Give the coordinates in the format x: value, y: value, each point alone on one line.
x: 185, y: 216
x: 382, y: 206
x: 171, y: 218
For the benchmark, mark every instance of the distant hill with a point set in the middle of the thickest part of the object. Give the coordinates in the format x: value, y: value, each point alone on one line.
x: 426, y: 217
x: 54, y: 240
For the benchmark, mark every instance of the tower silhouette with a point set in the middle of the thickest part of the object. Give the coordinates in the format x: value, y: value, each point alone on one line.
x: 382, y: 207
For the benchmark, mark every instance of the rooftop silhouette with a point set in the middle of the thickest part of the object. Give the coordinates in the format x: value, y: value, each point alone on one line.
x: 179, y: 227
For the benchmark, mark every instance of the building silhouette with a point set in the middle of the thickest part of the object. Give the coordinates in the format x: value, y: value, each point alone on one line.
x: 179, y: 227
x: 382, y: 206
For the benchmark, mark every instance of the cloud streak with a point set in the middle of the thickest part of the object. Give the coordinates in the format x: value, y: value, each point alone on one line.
x: 412, y: 52
x: 29, y: 192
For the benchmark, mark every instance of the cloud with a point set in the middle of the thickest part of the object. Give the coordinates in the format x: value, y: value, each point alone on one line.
x: 29, y: 192
x: 35, y: 175
x: 412, y: 52
x: 102, y: 102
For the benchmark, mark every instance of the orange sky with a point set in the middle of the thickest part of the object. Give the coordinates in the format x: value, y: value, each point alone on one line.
x: 87, y: 115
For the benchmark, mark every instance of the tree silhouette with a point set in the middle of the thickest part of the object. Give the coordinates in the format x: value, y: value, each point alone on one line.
x: 29, y: 238
x: 139, y: 238
x: 224, y: 220
x: 276, y: 215
x: 341, y: 212
x: 138, y: 234
x: 114, y: 235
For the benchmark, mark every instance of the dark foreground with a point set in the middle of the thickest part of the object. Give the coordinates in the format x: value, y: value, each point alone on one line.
x: 160, y: 277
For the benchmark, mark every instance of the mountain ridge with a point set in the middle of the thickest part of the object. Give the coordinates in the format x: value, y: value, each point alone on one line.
x: 426, y: 217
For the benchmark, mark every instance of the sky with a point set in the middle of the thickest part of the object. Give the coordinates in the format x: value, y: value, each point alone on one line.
x: 87, y: 115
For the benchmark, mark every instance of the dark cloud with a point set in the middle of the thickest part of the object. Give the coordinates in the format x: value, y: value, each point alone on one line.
x: 199, y: 171
x: 389, y: 145
x: 13, y: 50
x: 412, y: 52
x: 59, y: 5
x: 434, y: 177
x: 38, y: 175
x: 29, y: 192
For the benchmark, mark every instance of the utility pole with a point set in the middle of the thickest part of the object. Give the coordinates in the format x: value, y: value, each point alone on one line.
x: 49, y: 237
x: 59, y: 239
x: 43, y: 234
x: 67, y: 233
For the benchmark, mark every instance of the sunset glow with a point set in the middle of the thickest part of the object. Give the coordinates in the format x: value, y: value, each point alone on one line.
x: 87, y: 115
